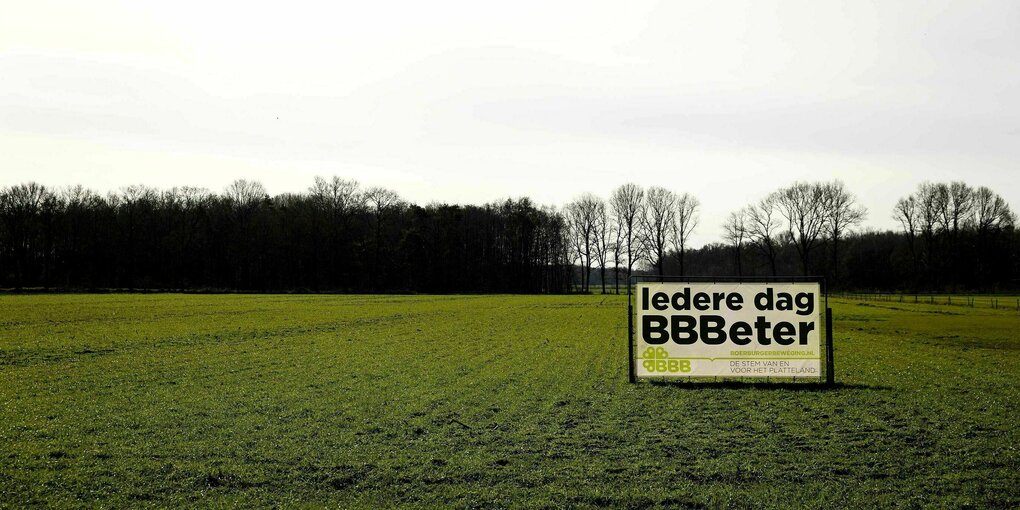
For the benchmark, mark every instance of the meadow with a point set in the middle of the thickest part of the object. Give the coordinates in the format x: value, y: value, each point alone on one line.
x: 156, y: 400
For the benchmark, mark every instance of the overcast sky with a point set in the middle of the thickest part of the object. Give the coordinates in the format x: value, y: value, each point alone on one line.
x: 469, y: 102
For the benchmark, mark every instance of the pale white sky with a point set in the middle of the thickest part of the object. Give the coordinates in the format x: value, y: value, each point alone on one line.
x: 470, y: 102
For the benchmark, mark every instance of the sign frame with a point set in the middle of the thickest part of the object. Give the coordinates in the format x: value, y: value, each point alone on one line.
x: 826, y: 354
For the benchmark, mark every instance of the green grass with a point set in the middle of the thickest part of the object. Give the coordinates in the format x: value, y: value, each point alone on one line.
x: 995, y: 301
x: 484, y: 401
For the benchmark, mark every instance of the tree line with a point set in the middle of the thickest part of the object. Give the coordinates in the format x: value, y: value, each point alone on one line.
x: 337, y: 237
x: 953, y: 238
x: 341, y: 237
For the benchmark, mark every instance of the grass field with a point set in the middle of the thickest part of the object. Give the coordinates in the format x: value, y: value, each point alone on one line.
x: 485, y: 401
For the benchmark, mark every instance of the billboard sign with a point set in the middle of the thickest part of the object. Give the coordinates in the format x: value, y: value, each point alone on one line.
x: 729, y: 330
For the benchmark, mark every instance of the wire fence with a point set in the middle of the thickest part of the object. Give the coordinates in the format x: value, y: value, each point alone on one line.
x: 972, y: 301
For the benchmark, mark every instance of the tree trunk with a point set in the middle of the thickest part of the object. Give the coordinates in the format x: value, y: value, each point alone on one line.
x: 736, y: 250
x: 682, y: 261
x: 835, y: 260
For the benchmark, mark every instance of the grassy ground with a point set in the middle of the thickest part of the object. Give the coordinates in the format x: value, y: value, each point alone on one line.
x: 488, y: 401
x: 996, y: 301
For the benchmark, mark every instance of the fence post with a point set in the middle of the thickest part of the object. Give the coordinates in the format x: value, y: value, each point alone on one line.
x: 631, y: 376
x: 830, y: 374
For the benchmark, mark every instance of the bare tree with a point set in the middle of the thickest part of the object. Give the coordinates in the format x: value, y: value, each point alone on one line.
x: 627, y: 203
x: 578, y: 240
x: 134, y: 204
x: 906, y: 212
x: 341, y: 200
x: 243, y: 194
x: 942, y: 211
x: 339, y: 196
x: 20, y: 207
x: 658, y: 224
x: 991, y: 212
x: 78, y: 196
x: 803, y: 207
x: 842, y: 214
x: 602, y: 238
x: 763, y: 224
x: 990, y: 216
x: 193, y: 197
x: 686, y: 221
x: 616, y: 245
x: 956, y: 206
x: 582, y: 216
x: 735, y: 229
x: 380, y: 201
x: 25, y: 198
x: 930, y: 200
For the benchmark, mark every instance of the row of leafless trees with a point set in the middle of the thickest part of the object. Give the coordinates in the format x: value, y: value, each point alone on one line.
x: 954, y: 238
x: 952, y: 229
x: 340, y: 236
x: 633, y: 226
x: 637, y: 225
x: 804, y: 215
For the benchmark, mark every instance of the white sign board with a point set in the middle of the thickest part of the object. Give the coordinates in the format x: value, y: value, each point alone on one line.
x: 732, y: 330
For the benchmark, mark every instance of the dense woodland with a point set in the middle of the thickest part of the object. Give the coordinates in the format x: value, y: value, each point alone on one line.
x: 340, y: 237
x: 336, y: 237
